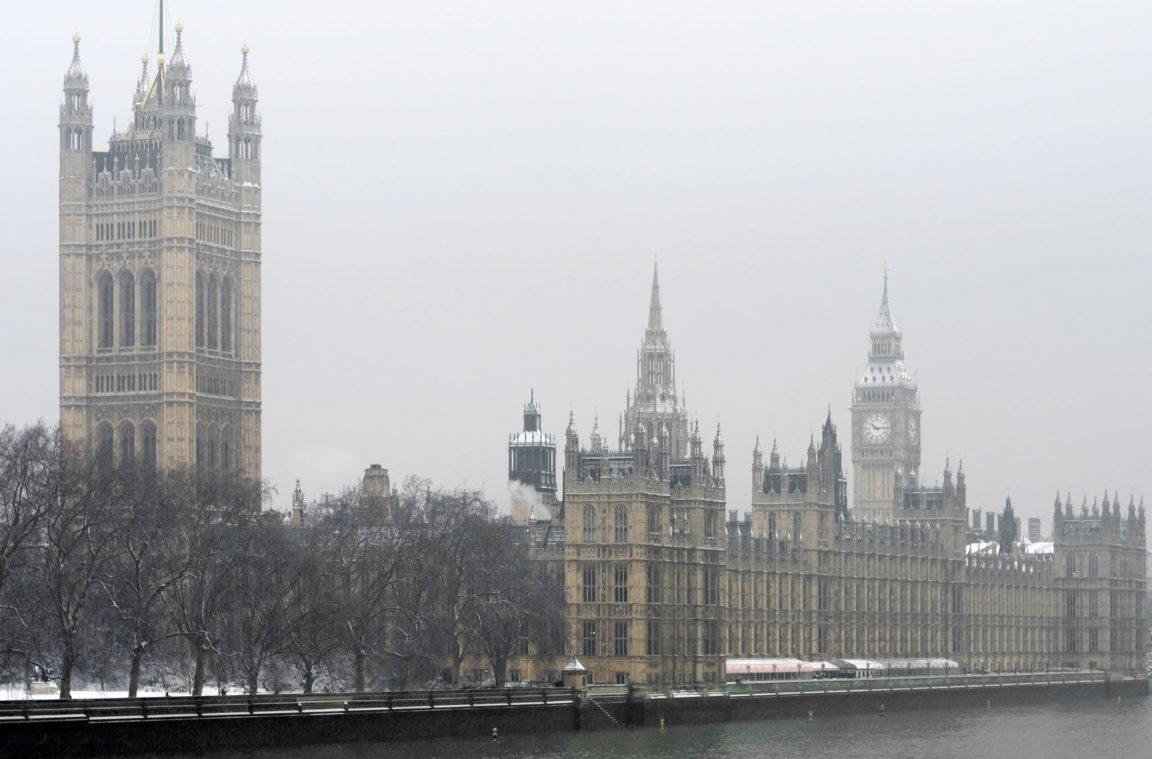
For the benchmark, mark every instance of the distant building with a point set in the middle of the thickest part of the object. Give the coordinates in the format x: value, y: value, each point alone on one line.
x: 663, y: 583
x: 532, y: 468
x: 885, y: 424
x: 160, y: 275
x: 1034, y: 533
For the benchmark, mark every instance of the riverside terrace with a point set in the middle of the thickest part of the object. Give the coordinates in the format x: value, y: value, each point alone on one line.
x: 93, y: 727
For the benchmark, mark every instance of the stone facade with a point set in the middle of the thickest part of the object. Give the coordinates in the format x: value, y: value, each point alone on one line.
x: 160, y: 276
x: 662, y: 583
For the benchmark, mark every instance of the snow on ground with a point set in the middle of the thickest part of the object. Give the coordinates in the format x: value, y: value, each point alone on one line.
x: 19, y: 692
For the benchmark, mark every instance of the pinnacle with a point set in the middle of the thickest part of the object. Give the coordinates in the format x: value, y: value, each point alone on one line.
x: 655, y: 316
x: 76, y: 69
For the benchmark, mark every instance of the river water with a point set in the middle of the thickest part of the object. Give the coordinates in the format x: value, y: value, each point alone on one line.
x: 1097, y: 729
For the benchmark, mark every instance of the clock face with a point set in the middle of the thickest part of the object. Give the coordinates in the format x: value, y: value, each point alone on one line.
x: 913, y: 430
x: 877, y: 428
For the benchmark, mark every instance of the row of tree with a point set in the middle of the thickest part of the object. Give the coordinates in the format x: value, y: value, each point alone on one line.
x: 112, y: 571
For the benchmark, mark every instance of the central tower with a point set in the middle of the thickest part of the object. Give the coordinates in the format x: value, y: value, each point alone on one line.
x: 655, y: 411
x: 160, y: 276
x: 885, y: 423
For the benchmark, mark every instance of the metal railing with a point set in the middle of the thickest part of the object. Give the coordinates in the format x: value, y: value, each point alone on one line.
x: 883, y: 684
x: 197, y: 707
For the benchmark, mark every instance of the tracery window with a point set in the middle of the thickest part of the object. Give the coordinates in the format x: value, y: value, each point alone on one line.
x: 199, y: 310
x: 226, y: 315
x: 212, y: 307
x: 127, y: 310
x: 148, y: 439
x: 620, y: 588
x: 621, y: 532
x: 104, y: 310
x: 148, y: 308
x: 127, y: 442
x: 589, y: 523
x: 104, y: 444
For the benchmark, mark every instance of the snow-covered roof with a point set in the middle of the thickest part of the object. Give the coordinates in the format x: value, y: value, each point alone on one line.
x: 983, y: 548
x: 536, y: 437
x: 1040, y: 547
x: 885, y: 374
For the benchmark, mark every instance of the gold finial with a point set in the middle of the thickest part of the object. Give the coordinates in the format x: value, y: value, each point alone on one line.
x: 244, y: 49
x: 160, y: 59
x: 179, y: 27
x: 76, y: 38
x: 144, y: 59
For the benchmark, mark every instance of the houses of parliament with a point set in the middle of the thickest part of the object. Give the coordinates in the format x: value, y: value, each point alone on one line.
x: 160, y: 361
x: 663, y: 582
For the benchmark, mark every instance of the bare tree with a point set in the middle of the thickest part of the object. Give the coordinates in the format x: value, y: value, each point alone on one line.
x: 313, y: 610
x: 211, y: 532
x: 149, y: 559
x: 28, y: 490
x: 78, y: 546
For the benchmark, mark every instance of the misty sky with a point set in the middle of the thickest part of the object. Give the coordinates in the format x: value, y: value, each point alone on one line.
x: 463, y: 200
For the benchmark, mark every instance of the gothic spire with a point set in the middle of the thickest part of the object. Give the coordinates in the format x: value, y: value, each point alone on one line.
x: 76, y: 75
x: 245, y: 78
x: 884, y: 321
x: 655, y: 322
x: 177, y: 61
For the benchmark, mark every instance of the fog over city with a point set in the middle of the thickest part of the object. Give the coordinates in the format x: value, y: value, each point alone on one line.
x: 464, y: 201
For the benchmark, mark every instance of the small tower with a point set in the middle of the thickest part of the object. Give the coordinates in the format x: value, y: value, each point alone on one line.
x: 244, y: 133
x: 757, y: 466
x: 297, y: 505
x: 718, y: 459
x: 571, y: 448
x: 531, y: 466
x: 75, y: 304
x: 1007, y: 529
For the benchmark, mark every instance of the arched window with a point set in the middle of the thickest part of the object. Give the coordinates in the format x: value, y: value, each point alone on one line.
x: 226, y: 448
x: 104, y: 444
x: 211, y: 447
x: 104, y: 310
x: 589, y: 523
x: 621, y: 523
x: 127, y: 309
x: 199, y: 310
x: 226, y: 315
x: 127, y: 442
x: 148, y: 439
x: 212, y: 308
x: 200, y: 441
x: 148, y: 308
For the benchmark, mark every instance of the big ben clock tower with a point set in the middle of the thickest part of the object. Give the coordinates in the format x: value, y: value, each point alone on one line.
x: 885, y: 423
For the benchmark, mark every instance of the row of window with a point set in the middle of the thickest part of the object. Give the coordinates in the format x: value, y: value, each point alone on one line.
x: 126, y: 442
x: 620, y: 528
x: 214, y: 309
x: 122, y: 321
x: 117, y: 313
x: 215, y: 383
x: 127, y: 382
x: 214, y: 234
x: 215, y: 447
x: 125, y: 230
x: 590, y: 586
x: 618, y: 645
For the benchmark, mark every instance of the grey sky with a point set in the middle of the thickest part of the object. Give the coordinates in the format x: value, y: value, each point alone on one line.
x: 463, y: 200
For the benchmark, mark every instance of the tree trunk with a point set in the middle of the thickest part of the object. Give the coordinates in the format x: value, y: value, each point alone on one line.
x: 358, y: 672
x: 499, y: 669
x: 134, y: 671
x: 253, y: 680
x: 309, y: 678
x: 66, y: 661
x: 198, y: 672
